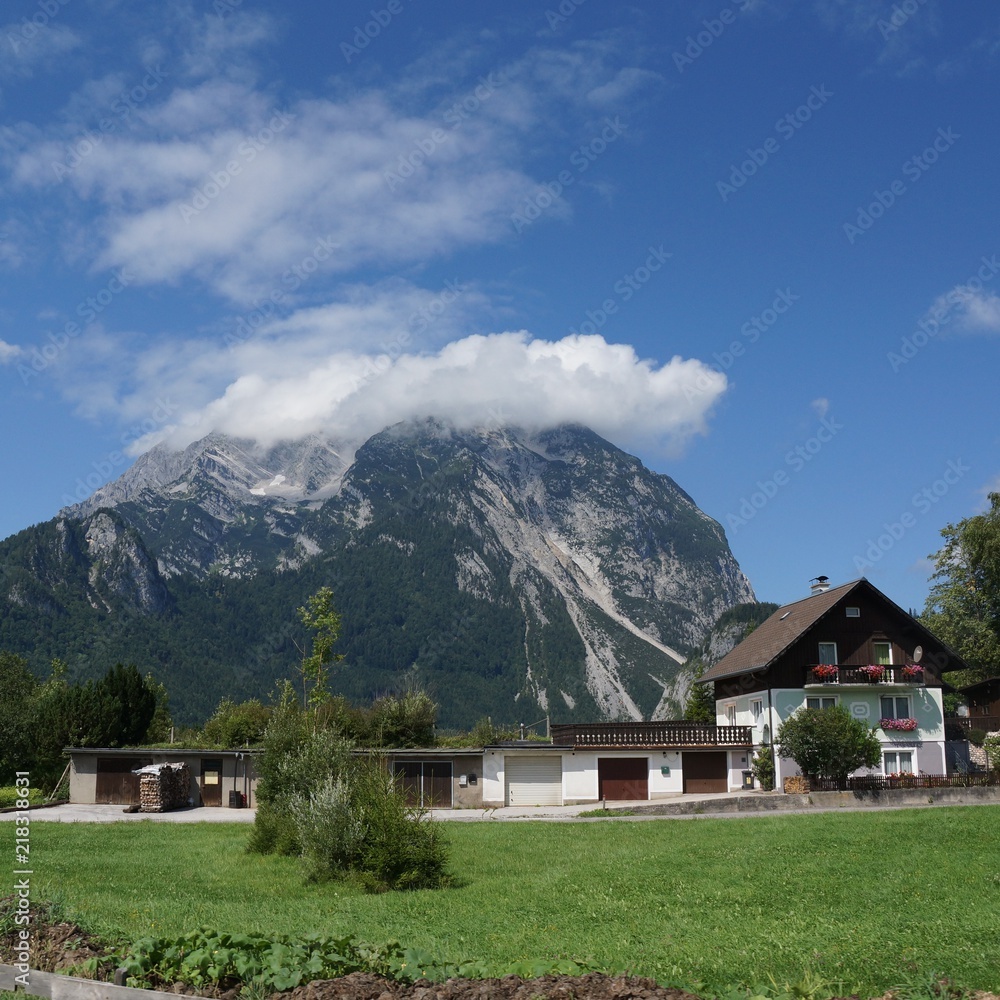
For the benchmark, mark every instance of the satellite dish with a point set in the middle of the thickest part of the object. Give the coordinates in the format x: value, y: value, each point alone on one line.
x: 917, y: 653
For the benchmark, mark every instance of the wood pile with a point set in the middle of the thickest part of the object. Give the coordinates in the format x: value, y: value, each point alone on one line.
x: 796, y: 785
x: 163, y: 787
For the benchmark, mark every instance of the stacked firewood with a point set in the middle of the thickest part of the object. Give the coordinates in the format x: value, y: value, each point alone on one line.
x: 163, y: 787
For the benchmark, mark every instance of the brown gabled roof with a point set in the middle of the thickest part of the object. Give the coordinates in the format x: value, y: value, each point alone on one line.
x: 773, y: 636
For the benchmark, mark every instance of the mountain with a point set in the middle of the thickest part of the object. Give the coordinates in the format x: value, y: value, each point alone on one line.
x: 510, y: 574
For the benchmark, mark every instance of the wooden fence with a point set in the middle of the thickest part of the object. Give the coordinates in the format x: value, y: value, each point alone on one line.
x: 879, y: 782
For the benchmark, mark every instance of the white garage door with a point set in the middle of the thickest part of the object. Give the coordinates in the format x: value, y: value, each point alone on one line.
x: 533, y: 781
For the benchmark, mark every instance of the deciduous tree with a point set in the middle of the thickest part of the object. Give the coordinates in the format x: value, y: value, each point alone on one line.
x: 963, y: 608
x: 828, y: 742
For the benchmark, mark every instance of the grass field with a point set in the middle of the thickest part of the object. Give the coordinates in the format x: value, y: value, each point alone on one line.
x: 869, y: 900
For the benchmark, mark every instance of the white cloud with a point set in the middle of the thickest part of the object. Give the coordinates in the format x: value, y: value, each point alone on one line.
x: 8, y: 352
x: 821, y: 406
x: 282, y: 393
x: 220, y: 181
x: 969, y: 308
x: 979, y: 311
x: 29, y: 44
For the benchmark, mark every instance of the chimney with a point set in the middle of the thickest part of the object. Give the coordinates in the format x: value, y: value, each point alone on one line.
x: 819, y: 586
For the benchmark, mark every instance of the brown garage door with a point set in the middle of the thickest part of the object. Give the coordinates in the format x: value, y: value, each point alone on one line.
x: 425, y: 783
x: 116, y: 784
x: 706, y: 771
x: 622, y: 779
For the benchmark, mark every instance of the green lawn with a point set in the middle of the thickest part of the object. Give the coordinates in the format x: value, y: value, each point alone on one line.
x: 869, y: 899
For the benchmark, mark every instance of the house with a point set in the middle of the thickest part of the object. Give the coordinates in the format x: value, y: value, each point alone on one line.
x: 984, y: 706
x: 218, y: 777
x: 848, y: 645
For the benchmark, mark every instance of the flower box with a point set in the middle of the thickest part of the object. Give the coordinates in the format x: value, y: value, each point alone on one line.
x: 826, y: 672
x: 903, y: 725
x: 911, y: 671
x: 873, y: 672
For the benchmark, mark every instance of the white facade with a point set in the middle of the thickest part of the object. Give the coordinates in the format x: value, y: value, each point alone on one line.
x: 918, y: 750
x: 579, y: 782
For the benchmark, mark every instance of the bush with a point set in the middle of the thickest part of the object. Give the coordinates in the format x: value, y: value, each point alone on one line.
x: 992, y: 747
x: 343, y: 813
x: 828, y: 742
x: 9, y: 797
x: 763, y: 768
x: 358, y: 825
x: 976, y: 736
x: 237, y: 725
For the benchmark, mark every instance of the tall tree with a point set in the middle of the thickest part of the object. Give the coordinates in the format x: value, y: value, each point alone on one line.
x: 18, y: 693
x: 963, y: 608
x: 322, y: 619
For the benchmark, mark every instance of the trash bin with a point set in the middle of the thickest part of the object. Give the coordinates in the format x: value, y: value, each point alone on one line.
x: 748, y: 779
x: 235, y: 800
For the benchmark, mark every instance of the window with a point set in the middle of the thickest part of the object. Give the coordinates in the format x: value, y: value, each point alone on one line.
x: 895, y: 708
x: 882, y: 652
x: 827, y: 652
x: 757, y: 710
x: 853, y: 612
x: 730, y: 715
x: 820, y: 702
x: 897, y: 762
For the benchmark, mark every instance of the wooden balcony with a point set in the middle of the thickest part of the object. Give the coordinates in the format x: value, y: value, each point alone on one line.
x: 647, y: 735
x: 988, y: 723
x: 860, y: 676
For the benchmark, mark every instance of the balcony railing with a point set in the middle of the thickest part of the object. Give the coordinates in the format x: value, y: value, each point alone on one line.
x: 651, y: 734
x: 988, y: 723
x: 822, y: 674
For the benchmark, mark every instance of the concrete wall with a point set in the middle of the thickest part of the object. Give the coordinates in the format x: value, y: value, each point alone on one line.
x: 469, y: 795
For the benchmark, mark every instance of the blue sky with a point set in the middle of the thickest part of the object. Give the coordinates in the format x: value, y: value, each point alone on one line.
x: 755, y: 243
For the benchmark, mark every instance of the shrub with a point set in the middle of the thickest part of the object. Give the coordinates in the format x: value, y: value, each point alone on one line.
x: 763, y: 768
x: 358, y: 825
x: 992, y: 747
x: 343, y: 813
x: 976, y: 736
x: 828, y: 742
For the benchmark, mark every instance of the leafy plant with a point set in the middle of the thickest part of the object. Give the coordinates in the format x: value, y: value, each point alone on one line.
x: 762, y: 766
